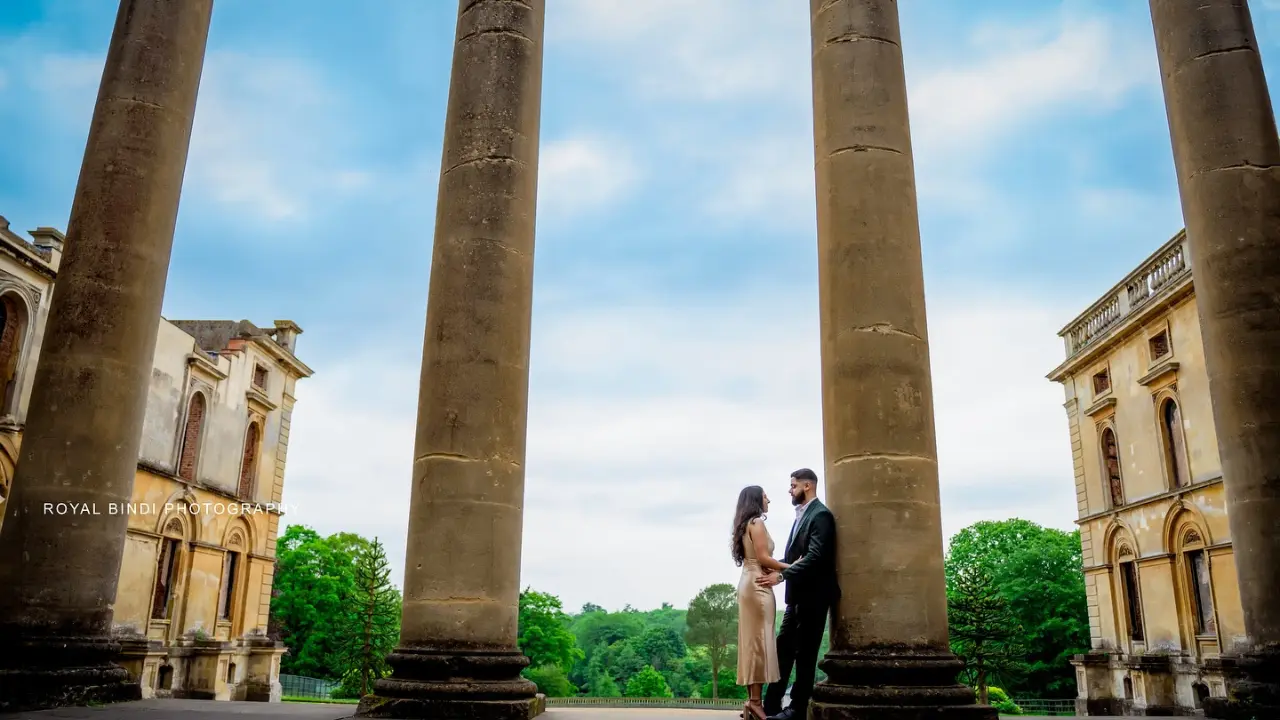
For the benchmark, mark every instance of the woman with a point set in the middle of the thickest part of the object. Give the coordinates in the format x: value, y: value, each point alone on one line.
x: 757, y: 609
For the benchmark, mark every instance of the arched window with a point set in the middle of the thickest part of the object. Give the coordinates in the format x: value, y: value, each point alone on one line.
x: 1111, y: 464
x: 1174, y: 444
x: 167, y: 564
x: 1199, y: 583
x: 1131, y: 594
x: 191, y: 434
x: 13, y: 330
x: 1201, y: 692
x: 226, y: 599
x: 249, y: 461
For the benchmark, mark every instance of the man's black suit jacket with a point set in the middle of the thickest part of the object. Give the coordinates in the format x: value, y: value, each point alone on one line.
x: 813, y: 578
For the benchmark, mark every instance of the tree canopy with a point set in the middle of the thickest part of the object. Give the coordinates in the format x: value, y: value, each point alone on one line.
x: 713, y: 625
x: 1038, y: 572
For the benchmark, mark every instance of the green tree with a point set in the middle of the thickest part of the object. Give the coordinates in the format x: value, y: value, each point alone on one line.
x: 1039, y: 572
x: 726, y: 686
x: 373, y: 625
x: 713, y: 625
x: 982, y: 634
x: 648, y: 683
x: 551, y: 681
x: 603, y: 685
x: 315, y: 575
x: 660, y: 646
x: 544, y: 635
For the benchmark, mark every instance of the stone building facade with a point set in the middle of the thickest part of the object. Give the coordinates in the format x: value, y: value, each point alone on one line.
x: 195, y: 580
x: 1164, y: 603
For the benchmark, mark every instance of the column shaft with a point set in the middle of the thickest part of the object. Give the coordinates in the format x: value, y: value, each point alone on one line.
x: 1228, y: 164
x: 58, y: 574
x: 890, y: 656
x: 458, y: 655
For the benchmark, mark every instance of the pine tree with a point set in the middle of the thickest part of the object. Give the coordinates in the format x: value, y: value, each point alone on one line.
x: 373, y: 626
x: 983, y: 633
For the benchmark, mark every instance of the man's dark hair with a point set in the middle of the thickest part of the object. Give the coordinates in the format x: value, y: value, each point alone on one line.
x: 805, y: 474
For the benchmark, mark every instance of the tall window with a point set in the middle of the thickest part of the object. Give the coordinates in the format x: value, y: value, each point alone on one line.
x: 1132, y: 599
x: 249, y: 461
x: 1174, y: 444
x: 1201, y: 592
x: 1111, y: 462
x: 190, y: 457
x: 12, y: 330
x: 166, y: 577
x: 230, y: 563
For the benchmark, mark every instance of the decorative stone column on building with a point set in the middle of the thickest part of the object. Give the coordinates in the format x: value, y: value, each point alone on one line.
x: 457, y: 656
x: 1228, y: 164
x: 58, y: 574
x: 890, y: 656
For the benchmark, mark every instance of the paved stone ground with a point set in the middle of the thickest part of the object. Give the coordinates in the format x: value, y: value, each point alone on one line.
x: 207, y: 710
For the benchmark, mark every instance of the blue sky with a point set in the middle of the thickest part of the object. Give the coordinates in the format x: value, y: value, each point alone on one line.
x: 675, y: 321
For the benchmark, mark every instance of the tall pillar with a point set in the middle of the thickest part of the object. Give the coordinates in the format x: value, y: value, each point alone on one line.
x: 890, y: 656
x: 457, y: 656
x: 1228, y: 165
x: 58, y: 573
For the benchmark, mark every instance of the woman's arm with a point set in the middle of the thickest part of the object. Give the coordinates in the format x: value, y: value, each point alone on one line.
x: 757, y: 533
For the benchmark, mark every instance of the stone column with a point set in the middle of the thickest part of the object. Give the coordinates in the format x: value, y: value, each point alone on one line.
x: 58, y: 574
x: 889, y: 656
x: 1228, y: 164
x: 457, y: 656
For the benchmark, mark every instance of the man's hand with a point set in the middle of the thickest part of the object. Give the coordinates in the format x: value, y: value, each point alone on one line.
x: 769, y: 580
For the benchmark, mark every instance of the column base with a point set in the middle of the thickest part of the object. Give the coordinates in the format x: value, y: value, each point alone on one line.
x: 897, y: 685
x: 49, y: 672
x: 1253, y: 688
x: 453, y: 686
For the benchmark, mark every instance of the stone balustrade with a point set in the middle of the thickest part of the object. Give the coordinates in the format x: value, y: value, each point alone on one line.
x: 1159, y: 274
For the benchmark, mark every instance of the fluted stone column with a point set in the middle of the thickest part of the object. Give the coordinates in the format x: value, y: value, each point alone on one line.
x: 58, y: 574
x: 889, y: 655
x: 1228, y: 164
x: 457, y: 656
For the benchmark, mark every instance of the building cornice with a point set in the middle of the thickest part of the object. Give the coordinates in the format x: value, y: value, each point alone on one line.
x: 1168, y: 494
x: 1158, y: 283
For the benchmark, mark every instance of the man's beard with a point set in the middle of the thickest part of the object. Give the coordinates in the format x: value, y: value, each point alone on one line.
x: 797, y: 500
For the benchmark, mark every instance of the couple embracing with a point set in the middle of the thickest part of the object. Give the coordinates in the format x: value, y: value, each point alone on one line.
x: 808, y: 568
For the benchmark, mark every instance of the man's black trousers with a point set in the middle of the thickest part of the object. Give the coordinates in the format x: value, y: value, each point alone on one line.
x: 799, y: 641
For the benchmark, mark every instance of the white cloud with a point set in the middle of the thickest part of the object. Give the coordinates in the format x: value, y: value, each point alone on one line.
x: 1086, y: 66
x: 693, y: 49
x: 267, y: 140
x: 959, y: 111
x: 582, y: 173
x: 645, y: 421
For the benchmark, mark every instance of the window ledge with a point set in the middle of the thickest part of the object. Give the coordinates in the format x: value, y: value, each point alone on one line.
x: 1159, y: 371
x: 1101, y: 406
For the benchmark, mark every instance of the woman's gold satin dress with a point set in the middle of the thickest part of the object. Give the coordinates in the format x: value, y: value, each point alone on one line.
x: 757, y: 613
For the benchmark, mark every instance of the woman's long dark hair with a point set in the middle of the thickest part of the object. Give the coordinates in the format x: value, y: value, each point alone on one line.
x: 750, y: 507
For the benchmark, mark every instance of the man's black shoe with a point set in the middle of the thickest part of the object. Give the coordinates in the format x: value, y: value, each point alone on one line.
x: 771, y: 712
x: 791, y: 713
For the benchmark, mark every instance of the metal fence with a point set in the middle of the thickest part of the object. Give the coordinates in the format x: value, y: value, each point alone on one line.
x: 306, y: 687
x: 636, y: 702
x: 1051, y: 708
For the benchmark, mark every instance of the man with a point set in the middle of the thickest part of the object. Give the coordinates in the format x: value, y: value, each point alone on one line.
x: 811, y: 592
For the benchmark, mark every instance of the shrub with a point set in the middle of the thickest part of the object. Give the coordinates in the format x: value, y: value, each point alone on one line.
x: 1001, y: 701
